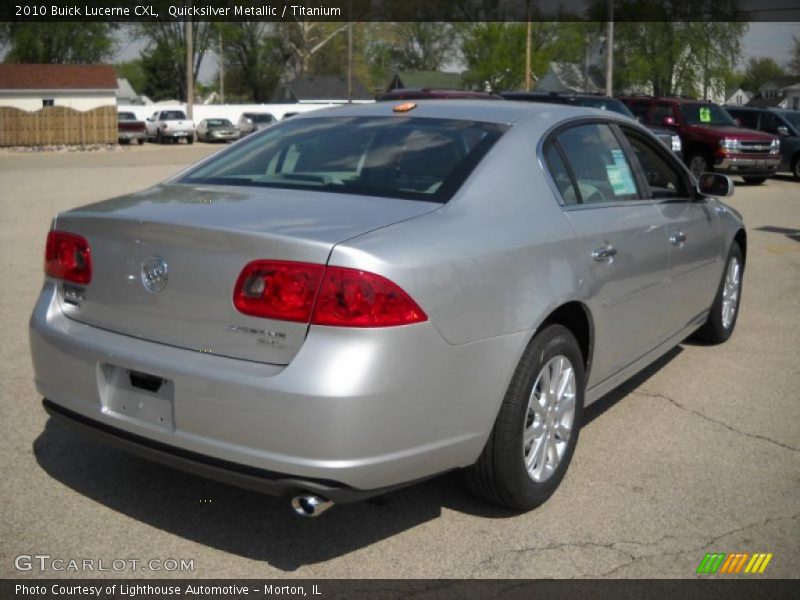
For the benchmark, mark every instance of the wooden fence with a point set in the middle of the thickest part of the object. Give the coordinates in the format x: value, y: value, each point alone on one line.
x: 57, y: 125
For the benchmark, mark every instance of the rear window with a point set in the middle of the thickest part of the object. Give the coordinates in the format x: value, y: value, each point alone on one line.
x: 219, y: 123
x: 173, y: 115
x: 412, y: 158
x: 126, y: 116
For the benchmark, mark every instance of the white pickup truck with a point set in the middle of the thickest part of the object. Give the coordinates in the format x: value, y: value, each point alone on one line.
x: 170, y: 125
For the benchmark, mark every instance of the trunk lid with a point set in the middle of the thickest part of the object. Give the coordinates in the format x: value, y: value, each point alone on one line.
x: 206, y: 235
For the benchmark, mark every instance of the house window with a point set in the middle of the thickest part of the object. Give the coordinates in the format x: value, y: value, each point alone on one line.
x: 48, y: 102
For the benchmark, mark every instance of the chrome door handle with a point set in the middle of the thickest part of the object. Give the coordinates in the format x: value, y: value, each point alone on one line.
x: 677, y: 238
x: 604, y: 253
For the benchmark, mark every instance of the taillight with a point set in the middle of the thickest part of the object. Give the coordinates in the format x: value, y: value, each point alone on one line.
x: 336, y: 296
x: 352, y: 298
x: 276, y: 289
x: 68, y: 257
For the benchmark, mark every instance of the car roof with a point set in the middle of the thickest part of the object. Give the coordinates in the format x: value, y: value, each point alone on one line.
x: 434, y: 93
x: 490, y: 111
x: 666, y: 99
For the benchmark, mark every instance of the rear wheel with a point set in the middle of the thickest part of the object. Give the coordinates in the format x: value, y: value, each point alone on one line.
x: 534, y: 435
x: 722, y: 317
x: 140, y: 141
x: 755, y: 180
x: 190, y: 139
x: 698, y: 164
x: 796, y: 167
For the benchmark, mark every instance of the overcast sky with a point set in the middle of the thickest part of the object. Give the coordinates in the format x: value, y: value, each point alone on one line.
x: 762, y: 39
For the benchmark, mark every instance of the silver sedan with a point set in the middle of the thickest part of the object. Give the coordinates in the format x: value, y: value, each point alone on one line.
x: 363, y: 297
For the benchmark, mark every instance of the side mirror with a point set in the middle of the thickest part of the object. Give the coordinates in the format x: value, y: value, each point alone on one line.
x: 669, y: 122
x: 714, y: 184
x: 782, y: 130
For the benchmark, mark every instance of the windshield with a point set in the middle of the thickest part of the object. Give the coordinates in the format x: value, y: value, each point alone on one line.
x: 418, y: 159
x: 219, y: 123
x: 705, y: 114
x: 793, y: 118
x: 172, y: 115
x: 603, y: 103
x: 260, y: 117
x: 126, y: 116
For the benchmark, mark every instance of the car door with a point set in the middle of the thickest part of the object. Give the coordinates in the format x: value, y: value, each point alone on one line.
x: 622, y: 243
x: 693, y: 231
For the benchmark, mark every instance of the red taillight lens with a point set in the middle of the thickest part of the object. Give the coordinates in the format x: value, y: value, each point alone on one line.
x: 276, y: 289
x: 352, y: 298
x: 68, y: 257
x: 337, y: 296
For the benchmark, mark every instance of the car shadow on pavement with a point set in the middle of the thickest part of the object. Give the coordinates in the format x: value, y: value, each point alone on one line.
x: 250, y: 524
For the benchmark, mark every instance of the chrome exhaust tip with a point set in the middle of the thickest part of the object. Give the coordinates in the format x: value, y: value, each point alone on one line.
x: 309, y: 505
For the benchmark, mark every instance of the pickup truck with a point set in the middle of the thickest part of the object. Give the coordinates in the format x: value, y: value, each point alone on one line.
x: 170, y: 125
x: 129, y: 128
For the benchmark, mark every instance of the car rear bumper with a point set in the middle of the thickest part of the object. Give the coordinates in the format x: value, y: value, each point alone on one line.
x: 131, y: 135
x: 747, y: 166
x: 362, y: 410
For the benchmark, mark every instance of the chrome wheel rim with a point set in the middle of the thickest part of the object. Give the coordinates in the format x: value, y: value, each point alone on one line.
x: 697, y: 166
x: 549, y: 418
x: 730, y: 292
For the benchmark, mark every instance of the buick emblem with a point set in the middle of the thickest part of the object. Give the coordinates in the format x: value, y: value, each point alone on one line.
x: 154, y: 274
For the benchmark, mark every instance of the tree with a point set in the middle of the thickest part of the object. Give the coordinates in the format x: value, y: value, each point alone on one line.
x: 58, y: 42
x: 494, y: 53
x: 132, y: 71
x: 254, y: 57
x: 305, y: 39
x: 759, y: 71
x: 165, y: 55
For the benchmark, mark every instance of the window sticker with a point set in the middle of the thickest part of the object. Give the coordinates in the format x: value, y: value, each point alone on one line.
x: 705, y: 114
x: 621, y: 180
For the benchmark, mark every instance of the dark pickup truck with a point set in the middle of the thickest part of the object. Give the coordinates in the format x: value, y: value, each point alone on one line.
x: 129, y: 128
x: 711, y: 139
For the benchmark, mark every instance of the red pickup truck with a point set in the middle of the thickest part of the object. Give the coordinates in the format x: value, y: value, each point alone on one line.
x: 129, y: 128
x: 711, y: 139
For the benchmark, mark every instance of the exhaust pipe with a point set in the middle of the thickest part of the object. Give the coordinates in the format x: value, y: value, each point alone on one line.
x: 309, y: 505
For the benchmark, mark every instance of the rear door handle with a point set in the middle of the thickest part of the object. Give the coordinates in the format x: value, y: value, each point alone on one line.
x: 677, y: 238
x: 604, y: 253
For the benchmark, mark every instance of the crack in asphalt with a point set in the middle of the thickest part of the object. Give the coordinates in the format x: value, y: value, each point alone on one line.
x: 710, y: 419
x: 710, y: 542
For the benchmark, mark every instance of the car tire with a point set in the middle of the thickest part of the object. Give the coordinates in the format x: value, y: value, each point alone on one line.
x: 190, y: 139
x: 722, y: 318
x: 506, y: 472
x: 754, y: 180
x: 698, y: 164
x: 159, y: 137
x: 140, y: 141
x: 796, y: 167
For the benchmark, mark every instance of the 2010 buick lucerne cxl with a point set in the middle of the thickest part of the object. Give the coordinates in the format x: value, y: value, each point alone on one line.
x: 363, y: 297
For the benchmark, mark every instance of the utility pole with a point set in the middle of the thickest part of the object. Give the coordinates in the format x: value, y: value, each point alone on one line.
x: 350, y: 62
x: 610, y: 50
x: 189, y: 68
x: 528, y: 51
x: 221, y: 73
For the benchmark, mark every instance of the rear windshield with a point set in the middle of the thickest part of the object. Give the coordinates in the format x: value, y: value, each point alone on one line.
x: 219, y: 123
x: 260, y: 117
x: 173, y: 115
x: 126, y: 116
x: 705, y: 114
x: 395, y: 157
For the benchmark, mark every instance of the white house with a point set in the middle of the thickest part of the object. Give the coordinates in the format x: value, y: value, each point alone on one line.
x: 738, y: 97
x: 82, y: 87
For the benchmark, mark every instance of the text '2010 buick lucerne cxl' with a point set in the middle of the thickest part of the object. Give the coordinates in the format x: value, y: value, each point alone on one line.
x: 364, y: 297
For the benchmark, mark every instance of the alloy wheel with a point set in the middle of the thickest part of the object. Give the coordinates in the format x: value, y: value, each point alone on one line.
x: 730, y: 291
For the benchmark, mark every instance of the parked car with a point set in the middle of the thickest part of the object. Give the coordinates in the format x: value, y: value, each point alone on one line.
x: 362, y: 297
x: 217, y: 130
x: 711, y: 139
x: 669, y: 138
x: 172, y: 125
x: 253, y: 121
x: 130, y: 128
x: 783, y: 123
x: 435, y: 94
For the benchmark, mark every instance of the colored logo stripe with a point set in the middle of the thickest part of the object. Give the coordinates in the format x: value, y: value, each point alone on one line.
x: 758, y: 563
x: 711, y: 562
x: 734, y: 563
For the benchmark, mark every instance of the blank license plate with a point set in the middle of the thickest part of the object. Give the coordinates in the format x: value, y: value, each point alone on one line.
x: 137, y: 396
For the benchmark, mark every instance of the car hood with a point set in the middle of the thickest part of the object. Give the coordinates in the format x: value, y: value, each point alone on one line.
x: 731, y: 131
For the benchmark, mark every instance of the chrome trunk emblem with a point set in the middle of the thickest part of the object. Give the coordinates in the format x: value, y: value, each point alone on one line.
x: 154, y: 274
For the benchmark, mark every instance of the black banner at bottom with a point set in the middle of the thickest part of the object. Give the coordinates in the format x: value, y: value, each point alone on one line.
x: 383, y: 589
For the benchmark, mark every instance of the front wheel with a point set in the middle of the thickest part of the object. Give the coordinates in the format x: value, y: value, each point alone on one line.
x: 534, y: 435
x: 722, y: 317
x: 796, y: 167
x: 698, y: 164
x: 755, y: 180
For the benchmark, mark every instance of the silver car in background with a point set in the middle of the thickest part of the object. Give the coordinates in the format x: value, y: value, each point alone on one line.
x: 363, y: 297
x: 251, y: 122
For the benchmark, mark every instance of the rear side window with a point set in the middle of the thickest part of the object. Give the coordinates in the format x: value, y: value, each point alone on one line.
x: 748, y: 118
x: 599, y: 166
x: 413, y: 158
x: 661, y: 112
x: 770, y: 123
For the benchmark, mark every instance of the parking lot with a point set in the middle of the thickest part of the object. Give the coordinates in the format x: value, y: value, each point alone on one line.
x: 700, y: 453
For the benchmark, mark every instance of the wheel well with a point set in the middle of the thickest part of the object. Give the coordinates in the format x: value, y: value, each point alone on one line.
x: 741, y: 239
x: 575, y: 317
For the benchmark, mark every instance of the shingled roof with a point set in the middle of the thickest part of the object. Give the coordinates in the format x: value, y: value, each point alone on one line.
x: 57, y: 77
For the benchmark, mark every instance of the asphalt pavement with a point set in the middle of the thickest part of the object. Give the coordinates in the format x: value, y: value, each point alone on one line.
x: 700, y: 453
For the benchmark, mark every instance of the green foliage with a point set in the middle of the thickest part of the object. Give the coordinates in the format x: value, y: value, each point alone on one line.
x: 759, y: 71
x: 132, y: 71
x: 495, y: 55
x: 58, y: 42
x: 163, y: 81
x: 254, y: 57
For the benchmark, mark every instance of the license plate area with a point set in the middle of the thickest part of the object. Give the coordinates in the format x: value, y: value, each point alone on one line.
x: 137, y: 396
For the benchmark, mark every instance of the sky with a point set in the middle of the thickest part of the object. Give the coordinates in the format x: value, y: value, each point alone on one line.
x: 773, y: 40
